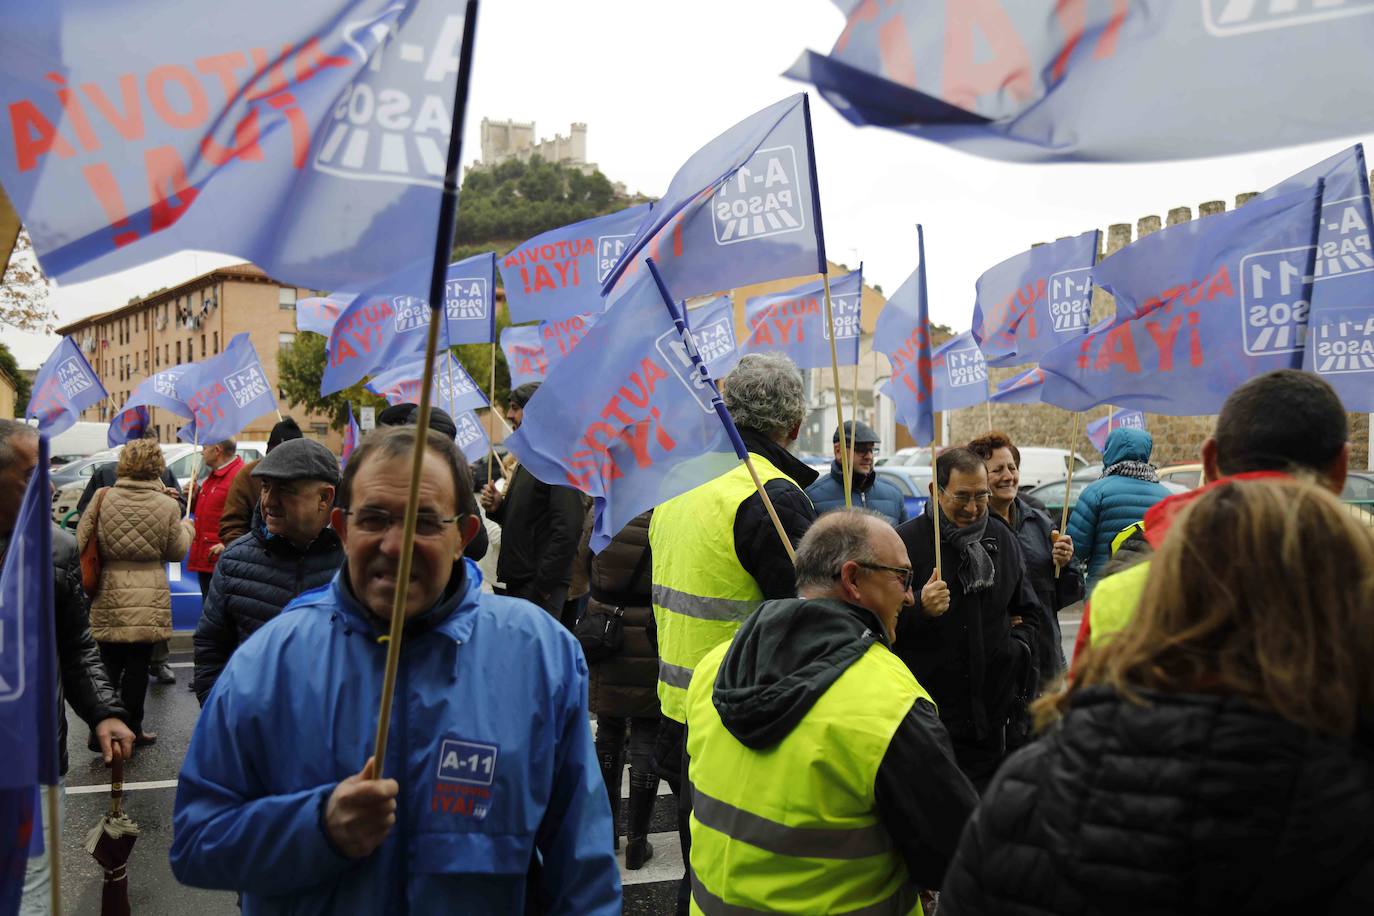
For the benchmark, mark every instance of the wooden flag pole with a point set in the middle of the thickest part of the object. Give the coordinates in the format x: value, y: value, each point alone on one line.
x: 988, y: 405
x: 839, y: 408
x: 1068, y: 484
x: 443, y: 245
x: 55, y: 850
x: 195, y: 472
x: 935, y: 508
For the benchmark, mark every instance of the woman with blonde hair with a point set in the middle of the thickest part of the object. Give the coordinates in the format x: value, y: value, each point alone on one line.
x: 138, y: 529
x: 1215, y: 756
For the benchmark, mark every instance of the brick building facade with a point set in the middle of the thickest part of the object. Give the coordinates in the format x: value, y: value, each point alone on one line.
x: 187, y: 323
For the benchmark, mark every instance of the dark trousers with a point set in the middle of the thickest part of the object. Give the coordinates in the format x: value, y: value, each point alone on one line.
x: 126, y: 663
x: 670, y: 759
x: 553, y: 603
x: 610, y: 739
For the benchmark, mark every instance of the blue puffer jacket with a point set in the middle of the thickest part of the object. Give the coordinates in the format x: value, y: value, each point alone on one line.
x: 490, y: 741
x: 869, y: 492
x: 1112, y: 503
x: 256, y: 576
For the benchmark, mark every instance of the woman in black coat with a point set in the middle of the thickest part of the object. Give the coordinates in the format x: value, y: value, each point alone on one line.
x: 1215, y: 756
x: 624, y: 687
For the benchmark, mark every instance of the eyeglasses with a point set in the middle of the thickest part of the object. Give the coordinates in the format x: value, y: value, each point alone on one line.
x: 904, y: 573
x: 865, y: 448
x: 377, y: 521
x: 964, y: 499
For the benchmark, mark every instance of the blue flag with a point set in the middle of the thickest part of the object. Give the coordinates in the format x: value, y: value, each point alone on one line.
x: 1030, y: 304
x: 310, y: 140
x: 558, y: 274
x: 21, y: 834
x: 225, y: 393
x: 1335, y: 329
x: 351, y: 437
x: 524, y: 349
x: 1048, y: 80
x: 452, y: 390
x: 630, y: 418
x: 560, y: 337
x: 129, y: 424
x: 65, y: 385
x: 713, y: 329
x: 1025, y: 388
x: 471, y: 438
x: 743, y: 209
x: 793, y: 322
x: 903, y: 333
x: 377, y: 331
x: 317, y: 314
x: 960, y: 373
x: 1098, y: 430
x: 1182, y: 339
x: 28, y: 650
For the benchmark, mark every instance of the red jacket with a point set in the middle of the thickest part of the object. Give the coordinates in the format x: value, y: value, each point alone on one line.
x: 207, y: 507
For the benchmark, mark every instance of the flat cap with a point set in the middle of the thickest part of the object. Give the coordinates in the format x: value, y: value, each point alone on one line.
x: 299, y: 459
x: 860, y: 431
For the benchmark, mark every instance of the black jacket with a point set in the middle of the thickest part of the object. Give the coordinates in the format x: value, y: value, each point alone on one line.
x: 785, y: 656
x: 104, y: 476
x: 1188, y: 805
x: 1033, y: 525
x: 255, y: 578
x: 756, y: 540
x: 970, y: 658
x: 541, y: 525
x: 82, y: 680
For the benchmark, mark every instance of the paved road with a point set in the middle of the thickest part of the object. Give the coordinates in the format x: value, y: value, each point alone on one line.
x: 151, y: 781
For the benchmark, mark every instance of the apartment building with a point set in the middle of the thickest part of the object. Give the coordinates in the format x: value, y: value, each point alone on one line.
x: 187, y: 323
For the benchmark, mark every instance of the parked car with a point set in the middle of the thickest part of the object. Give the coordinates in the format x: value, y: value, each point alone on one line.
x: 1188, y: 475
x: 913, y: 481
x: 80, y: 469
x: 905, y: 457
x: 1052, y: 493
x: 82, y: 439
x: 1041, y: 465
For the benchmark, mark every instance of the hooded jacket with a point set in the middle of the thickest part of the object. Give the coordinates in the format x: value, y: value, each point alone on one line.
x: 868, y: 491
x: 784, y: 657
x: 1113, y: 502
x: 1187, y: 803
x: 490, y: 741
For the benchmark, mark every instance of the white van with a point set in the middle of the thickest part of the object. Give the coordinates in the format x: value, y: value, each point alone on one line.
x: 81, y: 440
x: 1042, y: 465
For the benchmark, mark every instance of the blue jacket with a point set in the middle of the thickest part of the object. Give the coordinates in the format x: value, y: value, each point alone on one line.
x: 490, y: 740
x: 868, y: 492
x: 1112, y: 503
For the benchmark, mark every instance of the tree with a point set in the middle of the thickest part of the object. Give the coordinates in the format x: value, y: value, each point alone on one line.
x: 24, y: 290
x: 22, y: 389
x: 300, y: 369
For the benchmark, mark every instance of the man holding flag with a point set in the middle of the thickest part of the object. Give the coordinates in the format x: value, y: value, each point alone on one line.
x: 81, y: 675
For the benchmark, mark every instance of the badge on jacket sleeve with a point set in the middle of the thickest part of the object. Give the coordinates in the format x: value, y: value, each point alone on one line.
x: 462, y: 785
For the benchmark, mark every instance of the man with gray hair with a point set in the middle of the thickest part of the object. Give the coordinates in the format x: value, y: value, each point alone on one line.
x: 716, y: 553
x: 822, y: 779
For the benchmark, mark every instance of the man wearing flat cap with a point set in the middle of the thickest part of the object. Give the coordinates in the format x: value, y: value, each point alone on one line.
x: 867, y: 491
x: 289, y: 549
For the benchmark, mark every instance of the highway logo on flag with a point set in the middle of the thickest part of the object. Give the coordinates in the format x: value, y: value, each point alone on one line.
x: 761, y: 199
x: 1225, y: 18
x: 966, y: 367
x: 1071, y: 299
x: 1273, y: 300
x: 466, y: 299
x: 246, y: 385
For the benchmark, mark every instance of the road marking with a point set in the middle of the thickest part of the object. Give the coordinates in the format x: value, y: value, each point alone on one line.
x: 128, y: 787
x: 181, y: 664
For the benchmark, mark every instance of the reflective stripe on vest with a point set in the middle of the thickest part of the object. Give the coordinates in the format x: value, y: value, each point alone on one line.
x: 701, y: 592
x: 794, y: 828
x: 1114, y: 602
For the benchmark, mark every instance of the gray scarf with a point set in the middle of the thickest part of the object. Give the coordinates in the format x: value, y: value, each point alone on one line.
x: 976, y: 572
x: 1140, y: 470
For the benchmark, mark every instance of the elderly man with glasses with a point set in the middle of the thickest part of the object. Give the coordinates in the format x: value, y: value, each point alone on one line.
x: 972, y: 641
x: 491, y: 792
x: 867, y: 490
x: 822, y: 779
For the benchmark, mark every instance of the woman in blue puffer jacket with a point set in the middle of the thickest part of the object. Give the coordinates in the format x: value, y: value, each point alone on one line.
x: 1128, y: 488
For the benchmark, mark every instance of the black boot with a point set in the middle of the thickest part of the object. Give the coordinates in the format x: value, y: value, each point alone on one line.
x: 643, y: 791
x: 611, y: 767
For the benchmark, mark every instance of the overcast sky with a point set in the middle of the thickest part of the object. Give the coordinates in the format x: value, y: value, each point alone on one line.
x: 654, y: 81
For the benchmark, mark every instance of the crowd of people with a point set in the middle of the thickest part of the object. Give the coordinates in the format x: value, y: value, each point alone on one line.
x: 846, y: 722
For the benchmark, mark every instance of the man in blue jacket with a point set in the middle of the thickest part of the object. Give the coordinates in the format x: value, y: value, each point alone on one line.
x: 868, y: 491
x: 492, y: 788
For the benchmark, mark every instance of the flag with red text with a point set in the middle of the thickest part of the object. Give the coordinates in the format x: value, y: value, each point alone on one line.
x: 903, y: 333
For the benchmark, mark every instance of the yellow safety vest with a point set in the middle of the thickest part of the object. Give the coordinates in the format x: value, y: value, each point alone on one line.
x: 701, y: 592
x: 1114, y: 602
x: 794, y: 828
